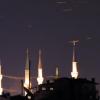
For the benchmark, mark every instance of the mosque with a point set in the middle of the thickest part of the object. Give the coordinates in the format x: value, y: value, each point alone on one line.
x: 57, y: 87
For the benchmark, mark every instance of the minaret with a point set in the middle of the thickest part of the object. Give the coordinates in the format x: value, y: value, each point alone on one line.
x: 57, y: 72
x: 27, y: 83
x: 74, y: 72
x: 1, y: 89
x: 40, y: 73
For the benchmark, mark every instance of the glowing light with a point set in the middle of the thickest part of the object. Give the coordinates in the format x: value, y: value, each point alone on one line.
x: 57, y: 72
x: 51, y: 89
x: 29, y: 97
x: 40, y: 76
x: 27, y: 83
x: 74, y: 72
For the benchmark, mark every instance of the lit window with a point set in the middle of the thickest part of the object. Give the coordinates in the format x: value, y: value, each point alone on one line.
x: 51, y: 89
x: 29, y: 97
x: 43, y: 88
x: 51, y: 81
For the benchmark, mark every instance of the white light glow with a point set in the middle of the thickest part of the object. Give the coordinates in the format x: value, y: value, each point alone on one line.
x: 26, y: 83
x: 74, y: 72
x: 57, y: 72
x: 40, y: 76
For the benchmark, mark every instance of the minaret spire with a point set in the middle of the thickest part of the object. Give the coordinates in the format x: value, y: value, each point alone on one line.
x: 73, y: 51
x: 27, y: 83
x: 27, y: 59
x: 1, y: 89
x: 40, y: 59
x: 40, y: 73
x: 57, y: 72
x: 74, y: 72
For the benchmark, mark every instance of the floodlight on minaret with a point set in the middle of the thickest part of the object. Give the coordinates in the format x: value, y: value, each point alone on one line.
x: 40, y: 73
x: 1, y: 89
x: 57, y: 72
x: 74, y: 72
x: 27, y: 82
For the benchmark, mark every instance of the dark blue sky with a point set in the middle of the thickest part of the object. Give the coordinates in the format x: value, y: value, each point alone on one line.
x: 49, y: 25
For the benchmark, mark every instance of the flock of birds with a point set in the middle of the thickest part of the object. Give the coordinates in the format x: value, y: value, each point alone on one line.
x: 69, y: 5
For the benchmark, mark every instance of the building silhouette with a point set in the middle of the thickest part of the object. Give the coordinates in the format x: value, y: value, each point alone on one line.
x: 67, y: 89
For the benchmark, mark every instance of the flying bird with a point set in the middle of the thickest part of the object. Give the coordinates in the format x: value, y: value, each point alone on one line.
x: 60, y: 2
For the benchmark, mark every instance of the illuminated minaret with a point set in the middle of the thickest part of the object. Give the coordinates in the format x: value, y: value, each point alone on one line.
x: 57, y: 72
x: 74, y: 72
x: 40, y: 73
x: 1, y: 89
x: 27, y: 83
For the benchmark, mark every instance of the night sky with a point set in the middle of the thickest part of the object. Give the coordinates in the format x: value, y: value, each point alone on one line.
x: 49, y: 25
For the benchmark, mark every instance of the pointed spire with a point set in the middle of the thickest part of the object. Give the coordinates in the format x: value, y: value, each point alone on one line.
x: 27, y: 82
x: 40, y: 59
x: 74, y: 72
x: 57, y: 72
x: 40, y: 73
x: 74, y: 44
x: 27, y: 59
x: 73, y: 53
